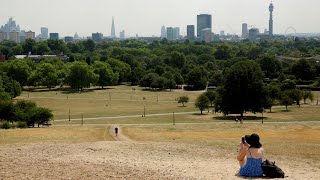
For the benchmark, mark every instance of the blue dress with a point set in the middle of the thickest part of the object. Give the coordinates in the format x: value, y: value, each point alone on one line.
x: 252, y: 168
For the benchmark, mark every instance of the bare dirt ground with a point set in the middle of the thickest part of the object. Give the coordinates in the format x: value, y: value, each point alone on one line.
x: 127, y: 159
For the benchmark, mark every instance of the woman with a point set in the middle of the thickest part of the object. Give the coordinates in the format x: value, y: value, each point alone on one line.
x: 250, y: 156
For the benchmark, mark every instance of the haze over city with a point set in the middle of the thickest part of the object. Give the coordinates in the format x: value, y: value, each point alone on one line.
x: 145, y: 17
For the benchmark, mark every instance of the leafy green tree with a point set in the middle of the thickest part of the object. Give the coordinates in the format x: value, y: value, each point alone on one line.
x: 177, y: 60
x: 282, y: 77
x: 147, y: 80
x: 7, y: 110
x: 243, y: 89
x: 273, y: 93
x: 197, y: 78
x: 123, y: 69
x: 23, y: 109
x: 211, y: 95
x: 40, y: 116
x: 202, y: 102
x: 106, y: 75
x: 158, y: 82
x: 28, y: 45
x: 41, y: 48
x: 4, y: 96
x: 307, y: 95
x: 223, y: 52
x: 80, y: 75
x: 183, y: 100
x: 270, y: 65
x: 302, y: 70
x: 18, y: 70
x: 285, y: 99
x: 296, y: 95
x: 46, y: 74
x: 89, y: 45
x: 11, y: 86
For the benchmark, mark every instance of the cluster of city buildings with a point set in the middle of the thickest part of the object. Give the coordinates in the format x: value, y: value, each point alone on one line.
x: 202, y: 32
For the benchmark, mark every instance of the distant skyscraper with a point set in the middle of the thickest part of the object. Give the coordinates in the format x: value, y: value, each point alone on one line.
x: 170, y: 33
x: 271, y: 19
x: 222, y: 34
x: 113, y: 29
x: 203, y: 21
x: 253, y: 34
x: 54, y: 36
x: 122, y: 35
x: 97, y: 37
x: 30, y: 35
x: 206, y: 35
x: 244, y: 30
x: 14, y: 36
x: 3, y: 36
x: 10, y: 26
x: 190, y: 32
x: 68, y: 39
x: 163, y: 32
x: 44, y: 33
x: 176, y: 33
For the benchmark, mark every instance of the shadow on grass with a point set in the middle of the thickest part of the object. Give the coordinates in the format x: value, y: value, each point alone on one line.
x: 245, y: 118
x: 64, y: 90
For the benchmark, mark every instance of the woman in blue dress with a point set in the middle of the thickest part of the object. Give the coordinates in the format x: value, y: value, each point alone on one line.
x: 250, y: 156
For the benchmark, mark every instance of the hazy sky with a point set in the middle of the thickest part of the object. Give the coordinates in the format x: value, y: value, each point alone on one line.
x: 145, y: 17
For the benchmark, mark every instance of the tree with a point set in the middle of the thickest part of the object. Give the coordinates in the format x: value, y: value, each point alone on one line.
x: 89, y: 45
x: 4, y: 96
x: 183, y: 100
x: 80, y: 75
x: 211, y: 95
x: 123, y: 69
x: 7, y: 110
x: 307, y: 95
x: 46, y: 74
x: 296, y: 95
x: 273, y: 93
x: 18, y: 70
x: 28, y: 45
x: 147, y: 80
x: 286, y: 100
x: 12, y: 87
x: 202, y: 102
x: 106, y: 75
x: 302, y: 70
x: 270, y: 65
x: 197, y: 78
x: 41, y: 48
x: 243, y: 89
x: 40, y: 116
x: 223, y: 52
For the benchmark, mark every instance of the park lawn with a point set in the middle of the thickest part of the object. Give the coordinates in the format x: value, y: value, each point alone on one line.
x: 284, y: 140
x: 70, y: 134
x: 116, y: 101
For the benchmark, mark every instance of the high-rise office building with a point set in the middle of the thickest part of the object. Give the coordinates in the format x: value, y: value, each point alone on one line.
x: 204, y: 21
x: 113, y: 29
x: 54, y: 36
x: 44, y: 33
x: 176, y: 33
x: 190, y: 32
x: 14, y: 36
x: 206, y: 35
x: 253, y: 34
x: 170, y: 33
x: 10, y: 26
x: 122, y: 35
x: 271, y: 20
x: 68, y: 39
x: 244, y: 30
x: 30, y: 35
x: 97, y: 37
x: 163, y: 32
x: 3, y: 36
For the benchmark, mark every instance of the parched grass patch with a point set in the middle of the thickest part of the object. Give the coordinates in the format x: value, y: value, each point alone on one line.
x: 299, y: 140
x: 55, y: 135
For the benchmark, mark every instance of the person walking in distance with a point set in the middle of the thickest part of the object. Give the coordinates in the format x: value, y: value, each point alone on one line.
x: 116, y: 131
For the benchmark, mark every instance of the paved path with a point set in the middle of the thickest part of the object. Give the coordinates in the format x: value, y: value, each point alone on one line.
x: 120, y: 136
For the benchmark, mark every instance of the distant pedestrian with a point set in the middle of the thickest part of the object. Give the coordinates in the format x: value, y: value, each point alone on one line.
x: 116, y: 131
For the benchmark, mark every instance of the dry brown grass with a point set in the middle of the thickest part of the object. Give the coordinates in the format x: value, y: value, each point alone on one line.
x: 55, y: 135
x: 299, y: 140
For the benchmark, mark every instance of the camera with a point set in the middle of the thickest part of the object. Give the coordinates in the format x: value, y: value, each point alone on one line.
x: 243, y: 140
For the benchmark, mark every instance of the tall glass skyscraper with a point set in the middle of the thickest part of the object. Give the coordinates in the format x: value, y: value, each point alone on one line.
x: 204, y: 21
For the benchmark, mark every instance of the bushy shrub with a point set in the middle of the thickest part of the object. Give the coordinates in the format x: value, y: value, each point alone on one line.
x: 5, y: 125
x: 22, y: 125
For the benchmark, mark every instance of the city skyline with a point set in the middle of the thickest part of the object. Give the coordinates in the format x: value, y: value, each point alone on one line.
x: 84, y: 17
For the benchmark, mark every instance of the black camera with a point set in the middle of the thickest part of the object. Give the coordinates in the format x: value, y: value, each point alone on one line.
x: 243, y: 140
